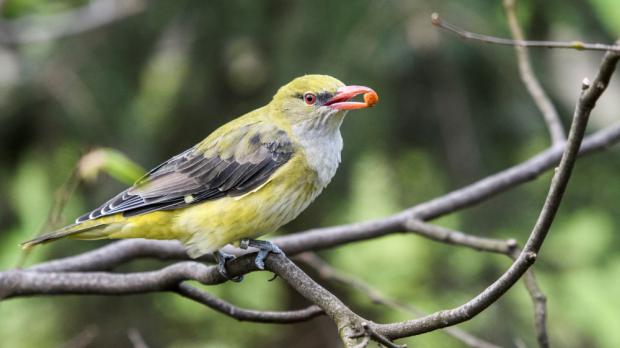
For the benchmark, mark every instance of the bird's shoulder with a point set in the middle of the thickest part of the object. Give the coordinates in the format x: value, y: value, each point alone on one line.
x: 248, y: 136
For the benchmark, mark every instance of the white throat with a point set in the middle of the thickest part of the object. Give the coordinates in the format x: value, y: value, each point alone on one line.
x: 321, y: 140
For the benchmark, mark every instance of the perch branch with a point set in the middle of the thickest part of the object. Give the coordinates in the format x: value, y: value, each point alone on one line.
x: 171, y: 278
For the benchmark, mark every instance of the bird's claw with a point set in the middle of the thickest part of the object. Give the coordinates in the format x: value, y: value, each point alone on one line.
x: 221, y: 258
x: 264, y: 248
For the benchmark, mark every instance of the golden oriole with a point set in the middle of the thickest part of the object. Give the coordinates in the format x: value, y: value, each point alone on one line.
x: 247, y: 178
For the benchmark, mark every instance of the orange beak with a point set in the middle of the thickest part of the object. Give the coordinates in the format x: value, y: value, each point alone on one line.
x: 341, y: 101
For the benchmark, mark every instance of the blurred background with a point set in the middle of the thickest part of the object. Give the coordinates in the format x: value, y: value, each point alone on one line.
x: 150, y: 78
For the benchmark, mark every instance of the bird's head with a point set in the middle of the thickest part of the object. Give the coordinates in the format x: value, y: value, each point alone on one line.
x: 319, y: 102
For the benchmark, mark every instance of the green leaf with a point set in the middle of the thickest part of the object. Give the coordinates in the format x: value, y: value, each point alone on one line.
x: 112, y: 162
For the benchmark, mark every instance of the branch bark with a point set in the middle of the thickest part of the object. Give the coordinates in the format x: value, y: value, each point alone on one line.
x: 171, y: 278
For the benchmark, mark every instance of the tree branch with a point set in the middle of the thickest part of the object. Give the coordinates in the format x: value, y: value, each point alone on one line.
x: 171, y: 278
x: 448, y: 236
x: 136, y: 339
x: 283, y: 317
x: 508, y: 248
x: 26, y: 283
x: 575, y: 45
x: 353, y: 329
x: 540, y: 307
x: 538, y: 94
x: 590, y: 94
x: 327, y: 272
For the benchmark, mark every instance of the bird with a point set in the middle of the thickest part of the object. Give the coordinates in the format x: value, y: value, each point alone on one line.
x: 249, y: 177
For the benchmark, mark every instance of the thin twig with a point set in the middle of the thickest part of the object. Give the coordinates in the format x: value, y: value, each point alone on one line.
x: 84, y: 339
x: 449, y: 236
x: 508, y: 248
x: 136, y: 339
x: 538, y: 94
x: 241, y: 314
x: 540, y: 307
x: 576, y: 45
x: 379, y: 337
x: 61, y: 197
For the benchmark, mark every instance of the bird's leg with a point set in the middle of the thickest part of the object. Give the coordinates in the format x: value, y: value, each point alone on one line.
x: 221, y: 258
x: 264, y: 248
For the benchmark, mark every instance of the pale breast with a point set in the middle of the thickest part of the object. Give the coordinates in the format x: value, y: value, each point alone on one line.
x: 322, y: 147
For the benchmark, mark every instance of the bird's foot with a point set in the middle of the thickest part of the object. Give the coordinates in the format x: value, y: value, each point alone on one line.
x: 264, y: 248
x: 221, y: 258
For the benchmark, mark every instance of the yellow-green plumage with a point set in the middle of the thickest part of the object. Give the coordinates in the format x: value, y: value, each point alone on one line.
x: 247, y: 178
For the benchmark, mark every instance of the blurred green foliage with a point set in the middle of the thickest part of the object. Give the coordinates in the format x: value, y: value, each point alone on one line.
x: 153, y: 84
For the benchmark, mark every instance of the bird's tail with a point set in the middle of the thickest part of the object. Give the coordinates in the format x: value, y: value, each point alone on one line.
x: 93, y: 229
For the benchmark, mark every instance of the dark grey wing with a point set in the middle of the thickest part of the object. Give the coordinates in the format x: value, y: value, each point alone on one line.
x: 232, y: 164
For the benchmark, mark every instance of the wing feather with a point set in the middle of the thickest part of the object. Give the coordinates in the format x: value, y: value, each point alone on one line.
x: 207, y: 171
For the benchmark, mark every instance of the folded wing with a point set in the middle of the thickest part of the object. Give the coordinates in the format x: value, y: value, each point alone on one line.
x: 226, y: 164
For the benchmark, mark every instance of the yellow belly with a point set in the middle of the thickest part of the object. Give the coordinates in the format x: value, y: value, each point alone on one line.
x: 208, y: 226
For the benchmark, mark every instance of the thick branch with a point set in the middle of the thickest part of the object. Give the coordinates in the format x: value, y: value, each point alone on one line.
x: 171, y: 278
x: 26, y: 283
x: 352, y: 328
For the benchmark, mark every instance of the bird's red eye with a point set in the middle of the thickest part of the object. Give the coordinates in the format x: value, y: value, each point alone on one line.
x: 310, y: 98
